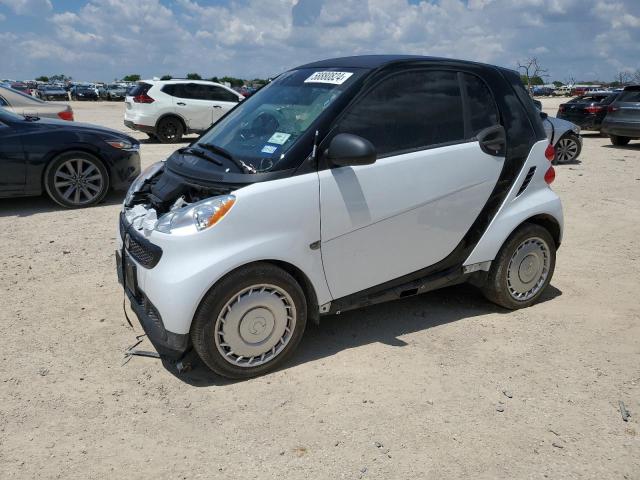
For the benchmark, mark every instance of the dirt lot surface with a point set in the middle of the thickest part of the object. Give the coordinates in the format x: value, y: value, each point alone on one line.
x: 445, y: 385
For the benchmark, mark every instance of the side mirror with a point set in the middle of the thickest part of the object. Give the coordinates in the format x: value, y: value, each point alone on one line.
x: 543, y: 115
x: 346, y: 150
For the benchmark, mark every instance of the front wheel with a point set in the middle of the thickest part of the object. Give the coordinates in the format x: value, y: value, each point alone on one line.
x: 619, y: 141
x: 523, y: 268
x: 76, y: 179
x: 568, y: 148
x: 250, y: 322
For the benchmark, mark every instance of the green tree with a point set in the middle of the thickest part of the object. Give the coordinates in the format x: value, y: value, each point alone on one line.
x: 556, y: 83
x: 59, y: 78
x: 234, y: 82
x: 215, y: 79
x: 42, y: 78
x: 193, y: 76
x: 166, y: 77
x: 134, y: 77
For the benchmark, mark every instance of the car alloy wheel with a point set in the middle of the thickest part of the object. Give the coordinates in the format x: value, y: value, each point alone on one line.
x: 528, y: 269
x: 567, y: 149
x: 255, y: 325
x: 78, y: 181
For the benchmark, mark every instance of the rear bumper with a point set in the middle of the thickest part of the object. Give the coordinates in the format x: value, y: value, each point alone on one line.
x: 585, y: 123
x: 139, y: 127
x: 621, y: 129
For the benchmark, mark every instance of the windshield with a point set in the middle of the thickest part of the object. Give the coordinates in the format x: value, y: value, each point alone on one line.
x: 261, y: 130
x: 31, y: 98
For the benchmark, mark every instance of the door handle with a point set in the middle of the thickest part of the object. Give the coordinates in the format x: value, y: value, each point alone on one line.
x: 493, y: 140
x: 181, y: 104
x: 217, y: 106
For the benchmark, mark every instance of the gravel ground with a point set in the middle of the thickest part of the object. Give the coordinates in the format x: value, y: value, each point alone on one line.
x: 444, y: 385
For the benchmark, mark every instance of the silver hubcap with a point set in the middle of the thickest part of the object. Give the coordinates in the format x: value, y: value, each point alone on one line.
x: 528, y: 269
x: 255, y: 326
x: 78, y: 181
x: 567, y: 150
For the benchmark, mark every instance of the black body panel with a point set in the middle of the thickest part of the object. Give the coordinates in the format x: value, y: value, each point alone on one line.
x: 42, y: 140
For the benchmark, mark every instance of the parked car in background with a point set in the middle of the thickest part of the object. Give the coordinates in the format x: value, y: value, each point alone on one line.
x: 22, y: 104
x: 76, y: 164
x: 343, y: 183
x: 50, y: 92
x: 83, y: 92
x: 622, y: 122
x: 24, y: 88
x: 563, y: 135
x: 169, y: 109
x: 113, y: 91
x: 542, y: 91
x: 588, y: 110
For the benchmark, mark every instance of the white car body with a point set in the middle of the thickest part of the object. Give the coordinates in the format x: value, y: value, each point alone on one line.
x: 351, y: 228
x: 196, y: 113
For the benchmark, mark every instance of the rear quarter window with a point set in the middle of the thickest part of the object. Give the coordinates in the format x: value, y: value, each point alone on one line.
x: 483, y: 112
x: 139, y: 89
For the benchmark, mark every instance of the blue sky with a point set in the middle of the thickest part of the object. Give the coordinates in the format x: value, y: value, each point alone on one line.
x: 106, y: 39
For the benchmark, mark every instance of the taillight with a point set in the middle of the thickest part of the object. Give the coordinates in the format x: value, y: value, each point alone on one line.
x: 561, y: 108
x: 612, y: 108
x: 594, y: 109
x: 550, y: 175
x: 143, y: 98
x: 66, y: 115
x: 550, y: 152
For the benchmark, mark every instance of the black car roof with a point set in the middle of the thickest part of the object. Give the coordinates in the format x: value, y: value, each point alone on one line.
x: 632, y: 87
x: 376, y: 61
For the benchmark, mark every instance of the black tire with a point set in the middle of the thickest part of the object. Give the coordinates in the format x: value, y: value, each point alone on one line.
x: 153, y: 137
x: 204, y: 330
x: 169, y: 130
x: 91, y: 190
x: 619, y: 141
x: 497, y: 287
x: 567, y: 149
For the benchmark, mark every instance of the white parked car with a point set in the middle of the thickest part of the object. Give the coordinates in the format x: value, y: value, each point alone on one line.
x: 563, y: 135
x: 169, y: 109
x: 341, y: 184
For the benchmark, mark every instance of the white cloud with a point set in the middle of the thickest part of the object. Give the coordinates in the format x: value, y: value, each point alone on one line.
x: 249, y: 38
x: 28, y: 7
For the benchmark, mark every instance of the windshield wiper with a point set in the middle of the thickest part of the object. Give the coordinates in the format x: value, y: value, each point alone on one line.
x: 225, y: 153
x: 199, y: 153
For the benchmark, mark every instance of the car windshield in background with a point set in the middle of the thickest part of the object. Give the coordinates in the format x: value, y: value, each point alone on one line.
x: 264, y: 127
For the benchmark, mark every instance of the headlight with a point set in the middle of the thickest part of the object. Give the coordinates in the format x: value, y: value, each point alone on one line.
x: 197, y: 216
x: 123, y: 144
x: 146, y: 174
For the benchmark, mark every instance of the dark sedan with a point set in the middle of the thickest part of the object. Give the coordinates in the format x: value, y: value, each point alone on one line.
x: 53, y: 93
x: 79, y: 92
x: 76, y: 164
x: 622, y: 122
x: 587, y: 111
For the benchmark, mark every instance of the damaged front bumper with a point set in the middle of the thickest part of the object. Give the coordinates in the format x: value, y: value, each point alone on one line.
x: 137, y: 252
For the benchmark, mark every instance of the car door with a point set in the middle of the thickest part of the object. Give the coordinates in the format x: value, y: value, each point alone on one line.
x: 12, y: 160
x: 222, y: 101
x: 412, y: 207
x: 192, y: 103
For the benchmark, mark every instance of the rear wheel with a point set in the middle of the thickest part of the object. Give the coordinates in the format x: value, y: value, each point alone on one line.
x: 76, y: 179
x: 567, y: 149
x: 523, y: 268
x: 250, y: 322
x: 169, y: 130
x: 619, y: 141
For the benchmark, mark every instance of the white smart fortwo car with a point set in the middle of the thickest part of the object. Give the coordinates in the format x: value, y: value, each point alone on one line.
x: 342, y: 183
